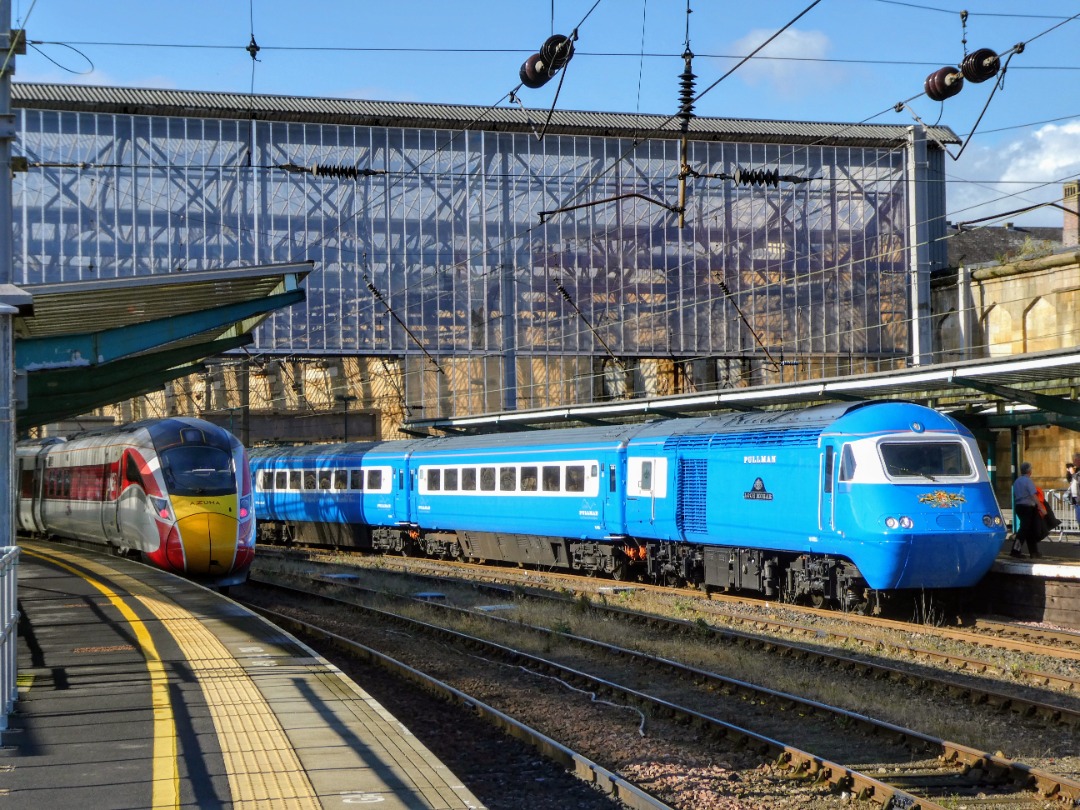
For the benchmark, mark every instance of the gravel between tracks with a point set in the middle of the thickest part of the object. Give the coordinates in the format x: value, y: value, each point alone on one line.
x: 670, y: 761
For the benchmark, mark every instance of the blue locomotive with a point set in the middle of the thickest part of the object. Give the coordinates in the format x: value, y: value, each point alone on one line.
x: 831, y: 504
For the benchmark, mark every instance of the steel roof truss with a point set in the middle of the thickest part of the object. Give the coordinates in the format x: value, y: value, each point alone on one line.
x: 1065, y: 407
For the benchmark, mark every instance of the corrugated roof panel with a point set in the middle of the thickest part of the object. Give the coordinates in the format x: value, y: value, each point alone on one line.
x: 141, y: 101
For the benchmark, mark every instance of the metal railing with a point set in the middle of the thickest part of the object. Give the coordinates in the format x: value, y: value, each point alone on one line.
x: 1059, y: 501
x: 9, y: 642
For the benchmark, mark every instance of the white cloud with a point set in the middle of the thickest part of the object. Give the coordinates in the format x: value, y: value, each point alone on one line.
x: 787, y: 73
x: 1016, y: 173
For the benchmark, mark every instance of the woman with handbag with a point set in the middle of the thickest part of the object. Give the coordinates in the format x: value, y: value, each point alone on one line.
x: 1026, y: 507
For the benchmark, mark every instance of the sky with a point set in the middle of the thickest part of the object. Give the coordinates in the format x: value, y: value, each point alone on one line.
x: 841, y: 61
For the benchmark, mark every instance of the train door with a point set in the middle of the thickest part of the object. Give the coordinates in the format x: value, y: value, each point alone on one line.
x: 646, y: 494
x: 612, y: 486
x: 827, y: 490
x: 110, y: 504
x: 31, y: 491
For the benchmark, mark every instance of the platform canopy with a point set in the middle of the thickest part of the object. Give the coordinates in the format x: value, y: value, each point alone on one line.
x: 82, y: 345
x: 1036, y: 388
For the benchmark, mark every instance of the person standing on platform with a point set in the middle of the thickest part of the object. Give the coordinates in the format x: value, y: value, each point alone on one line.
x: 1073, y: 477
x: 1025, y: 503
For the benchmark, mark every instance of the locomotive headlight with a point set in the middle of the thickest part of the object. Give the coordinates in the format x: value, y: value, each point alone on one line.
x: 161, y: 507
x: 906, y: 523
x: 892, y: 522
x: 992, y: 521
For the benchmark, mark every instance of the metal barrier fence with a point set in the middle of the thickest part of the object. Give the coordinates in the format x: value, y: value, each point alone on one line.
x: 1059, y: 501
x: 9, y: 642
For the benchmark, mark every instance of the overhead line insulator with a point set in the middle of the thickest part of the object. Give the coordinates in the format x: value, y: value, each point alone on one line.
x: 943, y: 83
x: 980, y: 65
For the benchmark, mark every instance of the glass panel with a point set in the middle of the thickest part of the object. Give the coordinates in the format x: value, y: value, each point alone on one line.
x: 529, y: 479
x: 925, y: 460
x: 552, y: 479
x: 508, y: 479
x: 575, y: 478
x: 468, y: 479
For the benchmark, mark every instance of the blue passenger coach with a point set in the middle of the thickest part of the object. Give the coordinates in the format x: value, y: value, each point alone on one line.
x: 827, y: 504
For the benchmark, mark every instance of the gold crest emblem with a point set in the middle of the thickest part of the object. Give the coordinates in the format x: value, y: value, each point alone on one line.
x: 940, y: 499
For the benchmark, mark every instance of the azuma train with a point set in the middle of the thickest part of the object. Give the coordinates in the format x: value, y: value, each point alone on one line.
x: 176, y: 491
x: 831, y: 504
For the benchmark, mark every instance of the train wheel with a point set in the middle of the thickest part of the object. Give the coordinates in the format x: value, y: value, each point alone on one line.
x: 818, y: 599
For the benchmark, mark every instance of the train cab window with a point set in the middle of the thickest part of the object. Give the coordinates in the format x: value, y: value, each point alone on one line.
x: 487, y: 479
x: 131, y: 470
x: 434, y: 480
x: 575, y: 479
x: 552, y: 479
x: 508, y: 479
x: 928, y: 460
x: 309, y: 479
x: 325, y: 477
x: 192, y: 469
x: 356, y: 479
x: 374, y: 480
x: 341, y: 479
x: 450, y: 480
x: 847, y: 464
x: 528, y: 479
x: 468, y: 479
x: 295, y: 479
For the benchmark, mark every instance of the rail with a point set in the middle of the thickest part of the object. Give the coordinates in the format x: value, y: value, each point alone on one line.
x: 9, y: 642
x: 1059, y: 501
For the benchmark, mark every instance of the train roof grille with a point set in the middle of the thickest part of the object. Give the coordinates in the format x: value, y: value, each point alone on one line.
x: 757, y: 438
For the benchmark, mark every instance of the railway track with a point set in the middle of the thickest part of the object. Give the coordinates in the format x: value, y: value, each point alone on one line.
x: 907, y: 763
x: 940, y: 646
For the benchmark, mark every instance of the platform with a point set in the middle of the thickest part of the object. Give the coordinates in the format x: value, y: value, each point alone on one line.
x: 140, y: 689
x: 1045, y: 589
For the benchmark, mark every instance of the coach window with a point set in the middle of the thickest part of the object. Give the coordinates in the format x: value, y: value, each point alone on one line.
x: 552, y: 479
x: 374, y: 480
x: 450, y: 480
x: 266, y: 480
x: 646, y: 476
x: 295, y: 479
x: 468, y: 479
x: 281, y: 479
x: 309, y: 480
x: 508, y: 479
x: 434, y: 480
x: 341, y: 479
x: 611, y: 478
x: 356, y: 479
x: 487, y: 479
x: 575, y: 479
x: 528, y: 479
x: 324, y: 479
